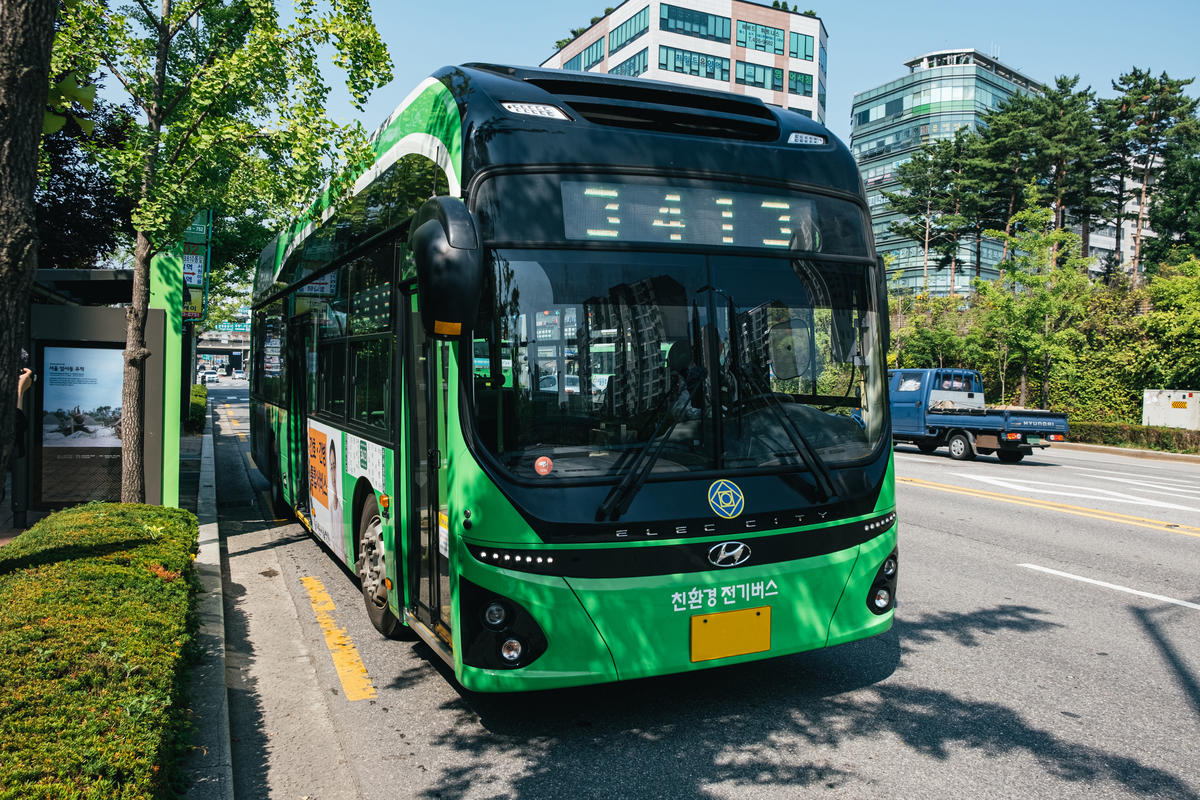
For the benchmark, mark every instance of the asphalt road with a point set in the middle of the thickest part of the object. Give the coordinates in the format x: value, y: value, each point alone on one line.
x: 1047, y: 644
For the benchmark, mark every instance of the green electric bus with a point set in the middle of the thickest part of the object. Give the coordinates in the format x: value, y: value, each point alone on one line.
x: 585, y: 379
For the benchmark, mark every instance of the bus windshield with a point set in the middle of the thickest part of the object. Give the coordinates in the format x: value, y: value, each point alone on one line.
x: 722, y: 362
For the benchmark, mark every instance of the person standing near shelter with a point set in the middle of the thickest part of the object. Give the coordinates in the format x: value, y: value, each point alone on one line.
x: 20, y: 437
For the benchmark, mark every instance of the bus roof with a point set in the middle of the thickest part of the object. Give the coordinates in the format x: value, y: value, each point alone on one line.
x: 476, y: 117
x: 616, y: 121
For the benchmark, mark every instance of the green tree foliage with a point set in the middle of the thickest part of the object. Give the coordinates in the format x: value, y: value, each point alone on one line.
x: 1175, y: 207
x: 1173, y: 325
x: 1045, y: 333
x: 238, y: 237
x: 923, y: 180
x: 1154, y: 106
x: 232, y: 109
x: 1047, y: 278
x: 80, y: 217
x: 577, y: 32
x: 932, y: 332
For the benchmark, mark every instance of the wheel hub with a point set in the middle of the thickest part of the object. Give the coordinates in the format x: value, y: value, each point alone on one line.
x: 372, y: 564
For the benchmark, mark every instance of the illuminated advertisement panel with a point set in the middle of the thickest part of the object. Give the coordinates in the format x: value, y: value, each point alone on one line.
x: 80, y: 431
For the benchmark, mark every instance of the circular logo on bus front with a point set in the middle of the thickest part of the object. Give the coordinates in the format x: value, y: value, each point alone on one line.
x: 725, y: 498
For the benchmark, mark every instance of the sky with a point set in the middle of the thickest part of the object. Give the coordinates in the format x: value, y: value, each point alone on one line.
x: 869, y: 40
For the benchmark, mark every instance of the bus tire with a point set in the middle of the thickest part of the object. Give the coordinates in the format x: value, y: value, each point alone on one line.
x: 960, y: 447
x: 1009, y: 456
x: 371, y: 566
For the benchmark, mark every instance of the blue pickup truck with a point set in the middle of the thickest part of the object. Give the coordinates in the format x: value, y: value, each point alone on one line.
x: 934, y: 408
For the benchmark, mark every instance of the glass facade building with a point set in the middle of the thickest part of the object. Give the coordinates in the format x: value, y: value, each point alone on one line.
x: 942, y: 92
x: 733, y: 45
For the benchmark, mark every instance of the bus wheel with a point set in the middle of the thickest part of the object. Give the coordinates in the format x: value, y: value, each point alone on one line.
x: 372, y: 571
x: 960, y: 447
x: 1009, y: 456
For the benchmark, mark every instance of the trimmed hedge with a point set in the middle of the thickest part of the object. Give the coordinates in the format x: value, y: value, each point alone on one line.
x: 1145, y: 437
x: 197, y: 408
x: 95, y: 626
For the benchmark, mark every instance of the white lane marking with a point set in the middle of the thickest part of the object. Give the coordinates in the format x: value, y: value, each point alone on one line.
x: 1152, y: 488
x: 1072, y: 491
x: 1143, y: 479
x: 1113, y: 586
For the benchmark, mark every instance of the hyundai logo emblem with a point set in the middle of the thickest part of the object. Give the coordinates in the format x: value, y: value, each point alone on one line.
x: 728, y: 554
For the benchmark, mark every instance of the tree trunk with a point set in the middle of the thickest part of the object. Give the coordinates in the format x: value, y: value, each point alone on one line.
x: 1120, y: 218
x: 26, y: 39
x: 1137, y: 230
x: 1045, y: 382
x: 1085, y: 235
x: 978, y: 253
x: 133, y: 394
x: 1023, y: 387
x: 925, y: 266
x: 1003, y: 370
x: 1012, y: 207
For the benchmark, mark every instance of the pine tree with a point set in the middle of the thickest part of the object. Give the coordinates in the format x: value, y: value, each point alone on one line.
x: 1155, y: 106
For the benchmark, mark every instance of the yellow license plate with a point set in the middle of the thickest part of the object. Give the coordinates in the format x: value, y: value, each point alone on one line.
x: 731, y: 633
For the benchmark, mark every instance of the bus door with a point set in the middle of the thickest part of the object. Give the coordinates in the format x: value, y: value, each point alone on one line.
x: 301, y: 377
x: 428, y: 529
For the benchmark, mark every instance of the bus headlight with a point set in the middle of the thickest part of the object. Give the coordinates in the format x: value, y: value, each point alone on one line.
x: 495, y: 615
x: 510, y: 651
x: 882, y: 597
x: 497, y: 631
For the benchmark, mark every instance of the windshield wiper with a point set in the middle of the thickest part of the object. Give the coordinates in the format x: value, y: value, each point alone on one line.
x: 821, y: 474
x: 679, y: 357
x: 621, y: 495
x: 820, y: 471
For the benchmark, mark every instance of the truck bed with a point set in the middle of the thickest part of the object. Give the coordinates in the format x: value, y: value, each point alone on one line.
x: 995, y: 419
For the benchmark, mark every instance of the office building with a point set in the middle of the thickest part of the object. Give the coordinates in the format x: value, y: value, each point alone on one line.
x: 942, y: 92
x: 729, y: 45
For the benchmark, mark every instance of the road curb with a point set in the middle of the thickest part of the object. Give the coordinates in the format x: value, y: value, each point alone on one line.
x: 210, y: 765
x: 1153, y: 455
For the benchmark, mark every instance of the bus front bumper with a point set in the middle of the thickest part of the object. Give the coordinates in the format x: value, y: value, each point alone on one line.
x: 599, y: 630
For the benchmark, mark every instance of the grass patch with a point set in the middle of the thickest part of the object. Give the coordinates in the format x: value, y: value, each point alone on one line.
x: 1143, y: 437
x: 197, y: 407
x: 95, y: 628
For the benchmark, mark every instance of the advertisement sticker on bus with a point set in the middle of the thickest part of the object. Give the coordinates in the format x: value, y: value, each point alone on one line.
x: 325, y: 484
x: 365, y: 460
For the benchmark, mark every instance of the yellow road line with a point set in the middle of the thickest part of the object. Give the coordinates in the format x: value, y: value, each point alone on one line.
x: 356, y: 684
x: 1109, y: 516
x: 235, y: 422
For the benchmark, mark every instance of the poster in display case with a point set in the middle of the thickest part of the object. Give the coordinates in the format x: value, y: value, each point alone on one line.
x: 79, y: 438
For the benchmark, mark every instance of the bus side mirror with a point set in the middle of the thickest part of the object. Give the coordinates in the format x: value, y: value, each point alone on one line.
x: 792, y: 349
x: 445, y: 244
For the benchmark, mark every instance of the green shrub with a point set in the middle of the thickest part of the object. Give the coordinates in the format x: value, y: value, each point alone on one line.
x: 197, y: 408
x: 95, y: 621
x: 1148, y: 437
